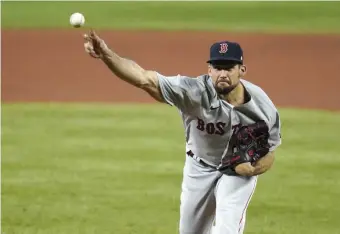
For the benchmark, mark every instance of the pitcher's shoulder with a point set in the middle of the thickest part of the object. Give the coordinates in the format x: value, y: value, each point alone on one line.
x: 201, y: 81
x: 258, y: 93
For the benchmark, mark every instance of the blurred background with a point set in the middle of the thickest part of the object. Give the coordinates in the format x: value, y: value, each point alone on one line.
x: 84, y: 152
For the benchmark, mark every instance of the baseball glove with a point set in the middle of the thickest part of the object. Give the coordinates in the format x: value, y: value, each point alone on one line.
x: 249, y: 144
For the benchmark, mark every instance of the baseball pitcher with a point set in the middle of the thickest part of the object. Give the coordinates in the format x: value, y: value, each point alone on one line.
x: 232, y: 130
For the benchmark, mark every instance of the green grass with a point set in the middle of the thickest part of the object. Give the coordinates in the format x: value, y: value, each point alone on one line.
x: 295, y: 17
x: 104, y: 169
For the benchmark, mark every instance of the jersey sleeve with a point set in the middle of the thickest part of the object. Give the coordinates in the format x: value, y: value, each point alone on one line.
x: 275, y: 133
x: 183, y: 92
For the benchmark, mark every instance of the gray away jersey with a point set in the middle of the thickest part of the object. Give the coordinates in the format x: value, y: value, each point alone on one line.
x: 209, y: 120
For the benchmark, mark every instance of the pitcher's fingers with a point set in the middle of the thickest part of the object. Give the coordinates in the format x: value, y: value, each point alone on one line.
x: 89, y: 49
x: 88, y: 45
x: 87, y: 38
x: 93, y: 55
x: 95, y: 39
x: 93, y: 34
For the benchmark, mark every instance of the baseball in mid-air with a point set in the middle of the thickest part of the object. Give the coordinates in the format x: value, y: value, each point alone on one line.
x: 77, y: 20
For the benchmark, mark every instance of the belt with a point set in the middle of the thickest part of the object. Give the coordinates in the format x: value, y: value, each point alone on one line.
x: 199, y: 160
x: 228, y: 171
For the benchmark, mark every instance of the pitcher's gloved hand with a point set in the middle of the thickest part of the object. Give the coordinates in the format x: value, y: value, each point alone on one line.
x: 251, y: 143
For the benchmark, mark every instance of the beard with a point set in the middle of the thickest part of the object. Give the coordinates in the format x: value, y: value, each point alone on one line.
x: 225, y: 89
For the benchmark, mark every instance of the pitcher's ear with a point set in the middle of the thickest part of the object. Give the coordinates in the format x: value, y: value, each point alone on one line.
x: 243, y: 69
x: 209, y: 69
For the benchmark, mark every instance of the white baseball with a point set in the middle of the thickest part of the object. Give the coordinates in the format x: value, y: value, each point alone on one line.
x: 77, y: 20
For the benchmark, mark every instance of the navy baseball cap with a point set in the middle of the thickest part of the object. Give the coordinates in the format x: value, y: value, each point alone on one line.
x: 226, y: 51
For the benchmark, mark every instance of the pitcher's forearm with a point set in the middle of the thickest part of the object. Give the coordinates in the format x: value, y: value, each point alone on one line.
x: 125, y: 69
x: 264, y: 164
x: 259, y: 169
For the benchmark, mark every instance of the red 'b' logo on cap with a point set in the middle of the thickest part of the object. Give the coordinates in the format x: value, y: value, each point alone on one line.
x: 224, y: 48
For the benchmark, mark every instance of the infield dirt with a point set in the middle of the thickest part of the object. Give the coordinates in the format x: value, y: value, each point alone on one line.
x: 52, y: 66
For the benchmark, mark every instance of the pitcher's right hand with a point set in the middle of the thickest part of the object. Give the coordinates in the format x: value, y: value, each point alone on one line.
x: 95, y: 46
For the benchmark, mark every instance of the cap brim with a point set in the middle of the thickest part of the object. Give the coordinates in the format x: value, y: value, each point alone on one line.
x: 219, y: 59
